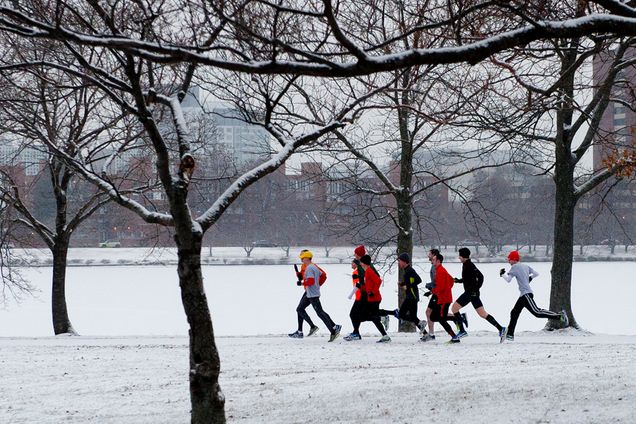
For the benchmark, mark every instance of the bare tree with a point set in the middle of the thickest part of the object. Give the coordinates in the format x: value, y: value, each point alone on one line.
x: 144, y: 56
x: 14, y: 285
x: 561, y: 126
x: 45, y: 111
x: 400, y: 170
x: 152, y: 93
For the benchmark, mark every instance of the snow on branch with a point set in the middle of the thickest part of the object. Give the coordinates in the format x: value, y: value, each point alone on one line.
x: 14, y: 21
x: 109, y: 188
x: 181, y: 127
x: 595, y: 180
x: 232, y: 192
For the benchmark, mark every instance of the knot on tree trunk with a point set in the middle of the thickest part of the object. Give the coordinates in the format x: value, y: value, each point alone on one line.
x: 203, y: 370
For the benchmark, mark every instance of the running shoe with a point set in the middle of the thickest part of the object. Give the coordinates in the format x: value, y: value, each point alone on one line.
x: 427, y: 337
x: 502, y: 334
x: 336, y: 332
x: 296, y: 335
x: 352, y: 337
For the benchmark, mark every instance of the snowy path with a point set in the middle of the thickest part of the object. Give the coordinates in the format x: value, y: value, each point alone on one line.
x: 540, y: 378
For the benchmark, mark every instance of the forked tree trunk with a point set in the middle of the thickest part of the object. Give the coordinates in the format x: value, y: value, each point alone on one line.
x: 207, y: 399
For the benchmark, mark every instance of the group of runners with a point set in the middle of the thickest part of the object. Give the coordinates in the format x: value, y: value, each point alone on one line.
x: 441, y: 308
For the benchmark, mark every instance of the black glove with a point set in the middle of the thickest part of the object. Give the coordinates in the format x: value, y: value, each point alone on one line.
x: 299, y: 283
x: 429, y: 286
x: 530, y: 278
x: 358, y: 285
x: 370, y: 295
x: 502, y: 271
x: 428, y: 293
x: 457, y: 280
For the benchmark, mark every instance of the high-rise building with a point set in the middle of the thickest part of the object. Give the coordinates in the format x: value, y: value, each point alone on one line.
x: 244, y: 142
x: 234, y: 137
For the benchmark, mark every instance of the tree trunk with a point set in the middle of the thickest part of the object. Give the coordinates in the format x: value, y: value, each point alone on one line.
x: 563, y: 256
x: 403, y: 198
x: 61, y: 322
x: 404, y: 244
x: 207, y: 399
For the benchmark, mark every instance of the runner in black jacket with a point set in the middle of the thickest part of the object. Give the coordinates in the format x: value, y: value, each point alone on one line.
x: 410, y: 281
x: 472, y: 279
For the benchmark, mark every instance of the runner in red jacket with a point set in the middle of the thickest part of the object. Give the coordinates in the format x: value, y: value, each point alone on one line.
x: 443, y: 282
x: 372, y: 297
x: 372, y: 283
x: 442, y: 297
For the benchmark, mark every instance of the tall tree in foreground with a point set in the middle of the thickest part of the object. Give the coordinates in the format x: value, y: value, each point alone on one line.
x: 152, y: 93
x: 126, y: 48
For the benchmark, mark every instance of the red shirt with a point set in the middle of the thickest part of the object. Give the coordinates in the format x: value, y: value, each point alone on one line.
x: 443, y: 286
x: 372, y: 282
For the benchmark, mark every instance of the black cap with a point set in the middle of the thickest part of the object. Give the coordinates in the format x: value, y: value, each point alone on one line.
x: 405, y: 257
x: 464, y: 252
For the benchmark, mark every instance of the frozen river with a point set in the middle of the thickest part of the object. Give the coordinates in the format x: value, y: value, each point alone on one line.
x: 260, y: 300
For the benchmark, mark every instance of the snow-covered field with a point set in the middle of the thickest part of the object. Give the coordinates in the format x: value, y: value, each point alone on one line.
x: 261, y: 299
x: 540, y: 378
x: 130, y: 364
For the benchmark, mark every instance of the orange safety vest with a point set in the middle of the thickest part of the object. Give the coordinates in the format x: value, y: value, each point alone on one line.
x: 356, y: 279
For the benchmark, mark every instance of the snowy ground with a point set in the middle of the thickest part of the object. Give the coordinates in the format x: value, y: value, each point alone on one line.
x: 130, y: 365
x: 540, y: 378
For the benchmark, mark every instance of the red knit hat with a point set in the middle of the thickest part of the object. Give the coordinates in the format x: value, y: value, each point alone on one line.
x: 360, y: 251
x: 514, y: 256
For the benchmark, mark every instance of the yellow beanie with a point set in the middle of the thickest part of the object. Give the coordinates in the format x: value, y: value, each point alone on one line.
x: 305, y: 254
